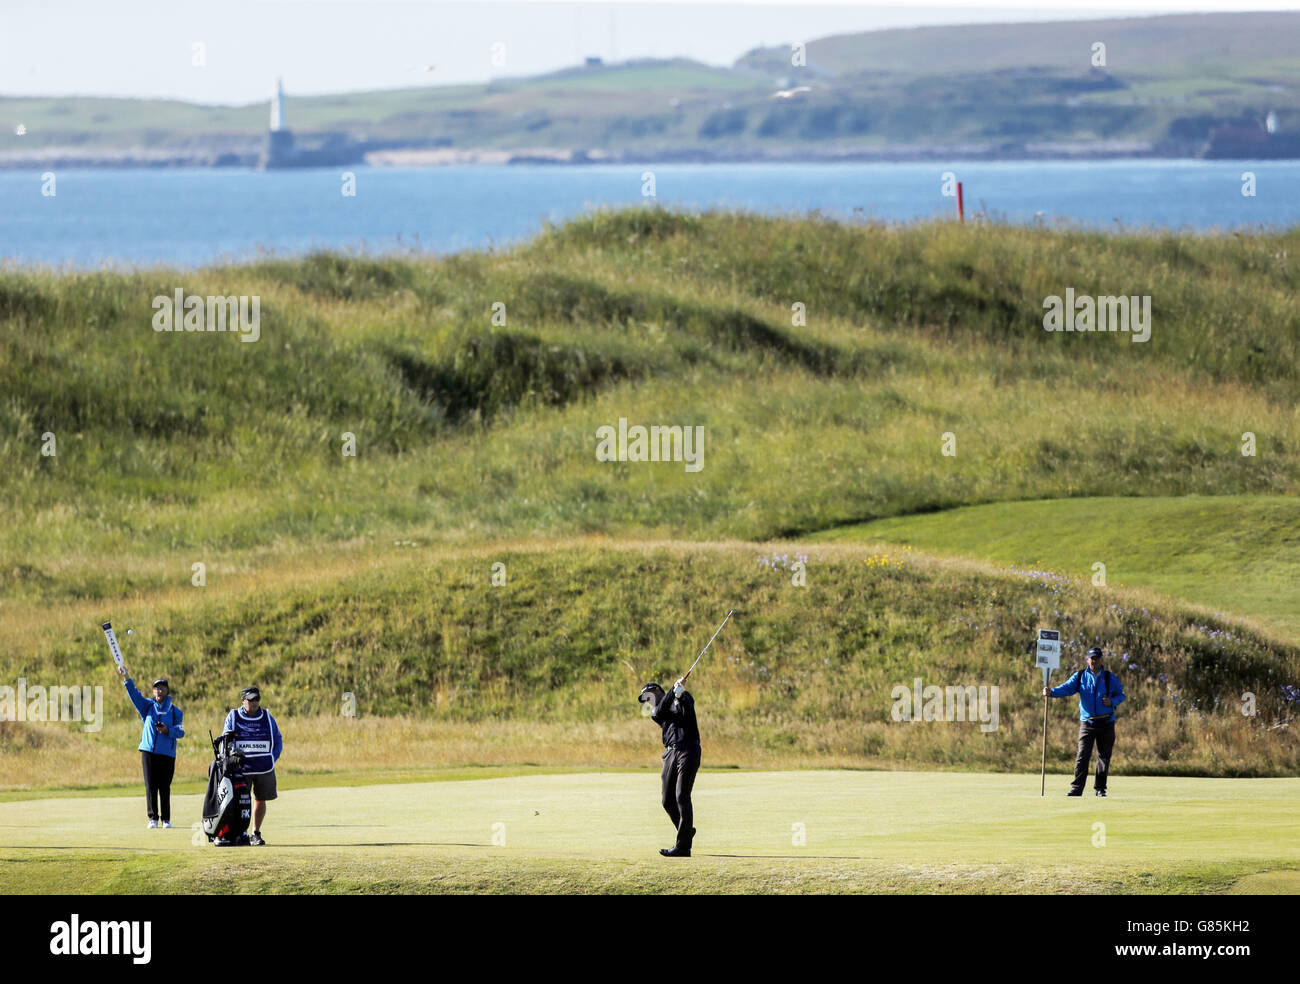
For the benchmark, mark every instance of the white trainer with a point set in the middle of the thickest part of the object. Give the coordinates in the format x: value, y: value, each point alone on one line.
x: 153, y: 824
x: 165, y: 823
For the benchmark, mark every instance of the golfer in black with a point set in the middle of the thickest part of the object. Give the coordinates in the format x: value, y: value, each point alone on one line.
x: 675, y: 713
x: 1099, y: 692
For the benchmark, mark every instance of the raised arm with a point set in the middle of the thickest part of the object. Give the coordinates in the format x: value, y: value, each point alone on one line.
x: 140, y: 701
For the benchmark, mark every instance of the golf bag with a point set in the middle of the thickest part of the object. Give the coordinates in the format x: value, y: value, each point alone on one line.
x: 228, y: 803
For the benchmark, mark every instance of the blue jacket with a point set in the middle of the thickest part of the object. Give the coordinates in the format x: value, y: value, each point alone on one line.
x: 258, y: 737
x: 1091, y: 688
x: 154, y: 713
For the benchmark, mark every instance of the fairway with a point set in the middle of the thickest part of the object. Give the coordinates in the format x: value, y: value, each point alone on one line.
x: 904, y: 832
x: 1180, y: 546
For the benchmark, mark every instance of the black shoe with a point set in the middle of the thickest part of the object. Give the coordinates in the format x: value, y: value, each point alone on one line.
x: 1075, y: 792
x: 1101, y: 792
x: 674, y: 852
x: 256, y: 839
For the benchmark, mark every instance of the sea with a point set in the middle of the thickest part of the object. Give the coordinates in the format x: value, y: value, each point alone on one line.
x: 95, y: 218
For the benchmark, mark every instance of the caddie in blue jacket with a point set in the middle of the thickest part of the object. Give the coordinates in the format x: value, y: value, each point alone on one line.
x: 1100, y: 692
x: 162, y: 730
x: 258, y: 737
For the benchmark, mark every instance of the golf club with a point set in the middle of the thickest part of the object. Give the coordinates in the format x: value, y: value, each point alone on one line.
x: 707, y: 645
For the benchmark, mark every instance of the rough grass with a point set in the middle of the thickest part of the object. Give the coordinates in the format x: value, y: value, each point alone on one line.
x: 448, y: 669
x: 475, y: 441
x: 467, y: 430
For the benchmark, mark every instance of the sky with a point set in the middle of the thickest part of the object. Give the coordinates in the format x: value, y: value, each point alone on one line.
x: 232, y: 51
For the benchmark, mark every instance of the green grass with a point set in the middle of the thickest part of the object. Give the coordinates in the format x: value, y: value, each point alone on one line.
x: 804, y: 675
x: 678, y: 75
x: 371, y: 575
x: 291, y: 779
x: 1236, y: 554
x: 328, y: 574
x: 599, y: 833
x: 1139, y: 45
x: 196, y: 445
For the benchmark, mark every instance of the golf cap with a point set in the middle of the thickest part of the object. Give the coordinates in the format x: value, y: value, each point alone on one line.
x: 162, y: 682
x: 250, y: 693
x: 646, y: 689
x: 1095, y: 651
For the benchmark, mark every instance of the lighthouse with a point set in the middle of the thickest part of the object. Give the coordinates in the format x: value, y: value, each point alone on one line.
x: 277, y: 107
x: 310, y: 149
x: 278, y: 151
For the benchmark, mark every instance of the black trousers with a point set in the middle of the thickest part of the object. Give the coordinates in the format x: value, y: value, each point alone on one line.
x: 158, y: 772
x: 1101, y: 733
x: 680, y: 767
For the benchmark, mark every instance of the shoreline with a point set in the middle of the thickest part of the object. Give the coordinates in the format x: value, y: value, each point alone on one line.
x: 141, y: 159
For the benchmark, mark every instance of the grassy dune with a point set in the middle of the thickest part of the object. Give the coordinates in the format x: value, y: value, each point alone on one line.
x: 476, y: 443
x: 803, y: 677
x: 468, y: 431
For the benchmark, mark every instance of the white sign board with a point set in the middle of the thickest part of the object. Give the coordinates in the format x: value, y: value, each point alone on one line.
x: 1047, y: 655
x: 112, y: 642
